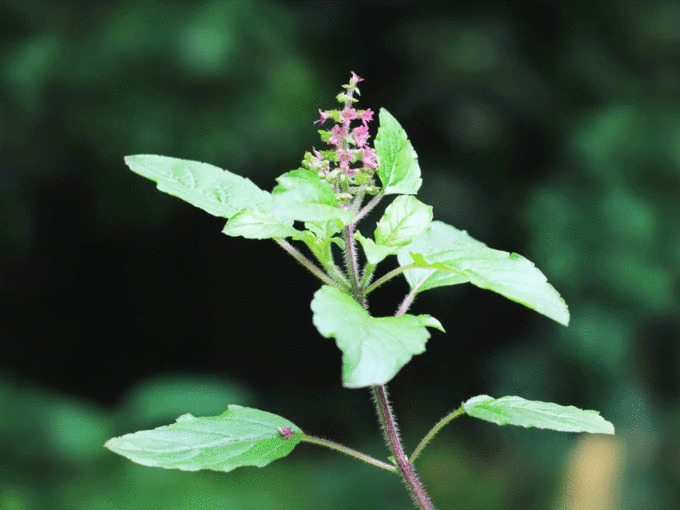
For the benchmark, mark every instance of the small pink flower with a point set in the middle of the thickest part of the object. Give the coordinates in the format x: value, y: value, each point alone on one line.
x: 348, y: 114
x: 339, y: 134
x: 367, y: 116
x: 355, y: 79
x: 368, y: 157
x: 360, y: 135
x: 324, y: 117
x: 344, y: 157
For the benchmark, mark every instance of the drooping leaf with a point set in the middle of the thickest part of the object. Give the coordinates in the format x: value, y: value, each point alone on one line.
x: 301, y: 195
x: 374, y: 348
x: 398, y: 167
x: 404, y: 219
x: 241, y: 436
x: 458, y: 258
x: 544, y: 415
x: 258, y: 225
x: 217, y: 191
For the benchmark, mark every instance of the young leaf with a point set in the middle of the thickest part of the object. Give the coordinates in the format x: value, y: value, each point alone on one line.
x: 374, y: 348
x: 241, y: 436
x: 404, y: 219
x: 302, y: 195
x: 323, y: 229
x: 544, y: 415
x: 459, y: 258
x: 258, y: 225
x: 397, y: 161
x: 375, y: 253
x: 217, y: 191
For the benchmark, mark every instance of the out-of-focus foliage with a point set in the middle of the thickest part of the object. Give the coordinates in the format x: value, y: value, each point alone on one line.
x: 548, y: 129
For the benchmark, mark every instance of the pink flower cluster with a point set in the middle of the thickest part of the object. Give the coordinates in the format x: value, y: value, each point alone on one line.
x: 349, y: 145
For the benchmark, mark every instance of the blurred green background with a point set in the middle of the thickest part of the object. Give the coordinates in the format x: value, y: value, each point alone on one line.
x: 548, y: 129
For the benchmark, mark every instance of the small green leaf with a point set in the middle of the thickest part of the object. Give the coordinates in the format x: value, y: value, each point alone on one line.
x: 241, y: 436
x: 544, y: 415
x: 375, y: 253
x: 397, y: 161
x: 374, y: 348
x: 323, y: 229
x: 301, y: 195
x: 258, y: 225
x: 403, y: 220
x: 217, y: 191
x: 458, y: 258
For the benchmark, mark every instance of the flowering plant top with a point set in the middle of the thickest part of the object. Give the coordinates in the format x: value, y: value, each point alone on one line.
x: 351, y: 163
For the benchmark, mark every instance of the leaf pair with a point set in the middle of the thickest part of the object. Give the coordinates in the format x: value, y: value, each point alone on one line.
x: 243, y: 436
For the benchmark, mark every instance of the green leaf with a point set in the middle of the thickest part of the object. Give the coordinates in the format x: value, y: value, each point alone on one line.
x: 258, y: 225
x: 544, y: 415
x: 458, y: 258
x: 373, y: 348
x: 217, y: 191
x: 397, y: 161
x: 301, y: 195
x: 403, y: 220
x: 323, y: 229
x: 241, y: 436
x: 375, y: 253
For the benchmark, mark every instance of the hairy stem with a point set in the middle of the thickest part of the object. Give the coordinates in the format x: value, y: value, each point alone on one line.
x: 389, y: 426
x: 305, y: 262
x: 385, y: 415
x: 348, y: 451
x: 352, y: 265
x: 443, y: 422
x: 367, y: 208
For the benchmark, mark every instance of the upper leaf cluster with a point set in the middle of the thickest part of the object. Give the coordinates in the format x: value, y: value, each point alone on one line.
x: 430, y: 253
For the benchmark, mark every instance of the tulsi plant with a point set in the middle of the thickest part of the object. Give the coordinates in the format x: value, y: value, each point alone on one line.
x: 328, y: 195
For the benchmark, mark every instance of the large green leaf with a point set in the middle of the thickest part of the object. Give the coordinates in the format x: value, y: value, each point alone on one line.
x: 217, y: 191
x: 544, y: 415
x: 458, y: 258
x: 301, y: 195
x: 374, y: 348
x: 241, y: 436
x: 258, y: 225
x: 398, y: 167
x: 404, y: 219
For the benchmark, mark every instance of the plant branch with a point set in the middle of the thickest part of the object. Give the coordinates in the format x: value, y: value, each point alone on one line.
x: 367, y: 208
x: 348, y: 451
x: 351, y: 264
x: 305, y: 262
x: 441, y: 424
x: 391, y: 433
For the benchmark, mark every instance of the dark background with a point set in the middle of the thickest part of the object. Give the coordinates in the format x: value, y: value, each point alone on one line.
x: 549, y: 129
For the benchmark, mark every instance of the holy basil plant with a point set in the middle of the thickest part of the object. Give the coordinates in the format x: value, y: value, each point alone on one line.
x: 328, y: 195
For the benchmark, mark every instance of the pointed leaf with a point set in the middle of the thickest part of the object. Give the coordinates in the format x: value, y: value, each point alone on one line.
x: 404, y: 219
x: 375, y: 253
x: 374, y: 348
x: 241, y: 436
x: 459, y: 258
x: 217, y: 191
x: 258, y: 225
x: 301, y: 195
x: 397, y: 161
x: 544, y: 415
